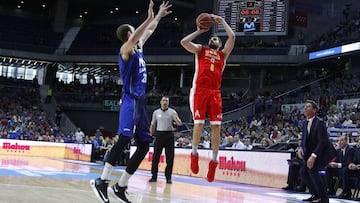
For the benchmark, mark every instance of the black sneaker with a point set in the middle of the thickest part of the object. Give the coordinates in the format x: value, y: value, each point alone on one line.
x: 152, y: 180
x: 100, y: 189
x: 119, y: 193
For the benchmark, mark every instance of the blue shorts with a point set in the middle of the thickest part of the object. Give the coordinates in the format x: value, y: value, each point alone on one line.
x: 133, y: 120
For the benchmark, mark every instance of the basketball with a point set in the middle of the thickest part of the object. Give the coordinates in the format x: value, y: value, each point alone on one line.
x: 204, y: 21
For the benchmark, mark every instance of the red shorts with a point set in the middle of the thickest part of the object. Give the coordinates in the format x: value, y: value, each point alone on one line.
x: 206, y: 101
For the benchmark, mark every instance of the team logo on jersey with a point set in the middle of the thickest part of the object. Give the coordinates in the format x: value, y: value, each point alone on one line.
x: 197, y: 114
x: 213, y: 54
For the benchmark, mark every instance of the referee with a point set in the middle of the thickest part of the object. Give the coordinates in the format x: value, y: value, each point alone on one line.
x: 162, y: 129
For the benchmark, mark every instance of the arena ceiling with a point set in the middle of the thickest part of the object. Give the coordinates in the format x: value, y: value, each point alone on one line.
x: 94, y: 9
x: 88, y: 10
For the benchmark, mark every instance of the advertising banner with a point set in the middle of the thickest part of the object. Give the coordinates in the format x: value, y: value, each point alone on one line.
x: 45, y: 149
x: 250, y: 167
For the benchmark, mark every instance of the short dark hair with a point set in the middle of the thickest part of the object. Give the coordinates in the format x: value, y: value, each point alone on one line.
x: 313, y: 103
x: 121, y: 32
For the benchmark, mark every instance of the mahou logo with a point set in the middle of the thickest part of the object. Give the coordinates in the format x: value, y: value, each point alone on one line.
x: 232, y: 166
x: 15, y: 147
x: 151, y: 156
x: 76, y: 150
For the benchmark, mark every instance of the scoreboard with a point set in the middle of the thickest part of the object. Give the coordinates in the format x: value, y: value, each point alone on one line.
x: 253, y: 17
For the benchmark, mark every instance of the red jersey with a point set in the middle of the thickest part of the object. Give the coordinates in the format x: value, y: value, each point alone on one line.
x: 209, y: 66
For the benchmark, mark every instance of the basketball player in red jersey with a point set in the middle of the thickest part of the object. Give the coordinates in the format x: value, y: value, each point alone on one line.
x: 205, y: 95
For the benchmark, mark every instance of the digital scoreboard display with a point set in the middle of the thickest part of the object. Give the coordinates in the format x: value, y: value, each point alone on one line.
x: 253, y: 17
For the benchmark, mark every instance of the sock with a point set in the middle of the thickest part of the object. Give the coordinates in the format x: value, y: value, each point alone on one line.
x: 123, y: 181
x: 215, y: 155
x: 194, y: 150
x: 106, y: 171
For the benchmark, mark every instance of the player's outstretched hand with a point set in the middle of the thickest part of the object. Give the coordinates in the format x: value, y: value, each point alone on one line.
x: 163, y: 9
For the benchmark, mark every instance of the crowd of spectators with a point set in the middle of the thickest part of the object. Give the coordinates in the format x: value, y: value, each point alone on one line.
x: 345, y: 32
x: 110, y: 90
x: 270, y: 127
x: 23, y: 117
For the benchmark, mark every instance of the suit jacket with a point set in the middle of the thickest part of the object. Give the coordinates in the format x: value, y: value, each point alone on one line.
x: 346, y: 159
x: 317, y: 141
x: 356, y: 157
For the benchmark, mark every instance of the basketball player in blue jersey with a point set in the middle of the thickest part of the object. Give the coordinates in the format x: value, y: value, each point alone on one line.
x: 133, y: 122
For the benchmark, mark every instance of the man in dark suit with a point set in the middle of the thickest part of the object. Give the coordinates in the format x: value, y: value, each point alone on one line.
x: 352, y: 170
x: 317, y: 151
x: 344, y: 156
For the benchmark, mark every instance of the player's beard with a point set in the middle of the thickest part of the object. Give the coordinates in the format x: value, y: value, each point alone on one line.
x: 213, y: 46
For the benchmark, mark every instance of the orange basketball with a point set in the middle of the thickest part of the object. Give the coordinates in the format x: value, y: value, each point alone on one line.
x: 204, y: 21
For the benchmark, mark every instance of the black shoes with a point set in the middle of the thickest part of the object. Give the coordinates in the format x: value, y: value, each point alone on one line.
x: 300, y: 188
x: 331, y: 193
x: 322, y: 200
x: 119, y: 193
x: 288, y: 188
x: 313, y: 198
x: 100, y: 189
x: 152, y: 180
x: 345, y: 195
x: 296, y: 189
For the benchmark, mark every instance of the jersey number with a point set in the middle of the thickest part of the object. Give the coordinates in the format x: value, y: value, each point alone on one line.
x: 212, y: 65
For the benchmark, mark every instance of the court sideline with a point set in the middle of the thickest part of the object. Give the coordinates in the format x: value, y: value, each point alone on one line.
x: 40, y: 180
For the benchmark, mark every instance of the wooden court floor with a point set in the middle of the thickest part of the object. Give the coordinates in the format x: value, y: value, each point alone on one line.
x: 40, y: 180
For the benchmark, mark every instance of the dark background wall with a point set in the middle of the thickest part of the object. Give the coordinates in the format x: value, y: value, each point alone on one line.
x: 109, y: 120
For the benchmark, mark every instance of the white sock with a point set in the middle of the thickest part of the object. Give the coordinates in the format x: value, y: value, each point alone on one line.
x: 124, y: 179
x: 215, y: 155
x: 194, y: 150
x: 106, y: 171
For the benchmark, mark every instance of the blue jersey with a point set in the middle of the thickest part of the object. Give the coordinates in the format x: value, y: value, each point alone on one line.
x: 133, y: 120
x: 133, y: 74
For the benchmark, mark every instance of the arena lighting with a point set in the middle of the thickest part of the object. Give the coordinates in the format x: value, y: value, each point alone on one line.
x: 335, y: 51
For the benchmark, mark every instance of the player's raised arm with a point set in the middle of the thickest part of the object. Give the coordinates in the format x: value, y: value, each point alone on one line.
x: 163, y: 11
x: 190, y: 46
x: 230, y: 42
x: 136, y: 35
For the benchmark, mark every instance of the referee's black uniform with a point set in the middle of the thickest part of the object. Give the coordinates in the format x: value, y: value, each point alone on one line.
x: 163, y: 130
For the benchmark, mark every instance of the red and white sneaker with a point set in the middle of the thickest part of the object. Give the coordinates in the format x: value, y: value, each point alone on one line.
x: 211, y: 172
x: 194, y: 163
